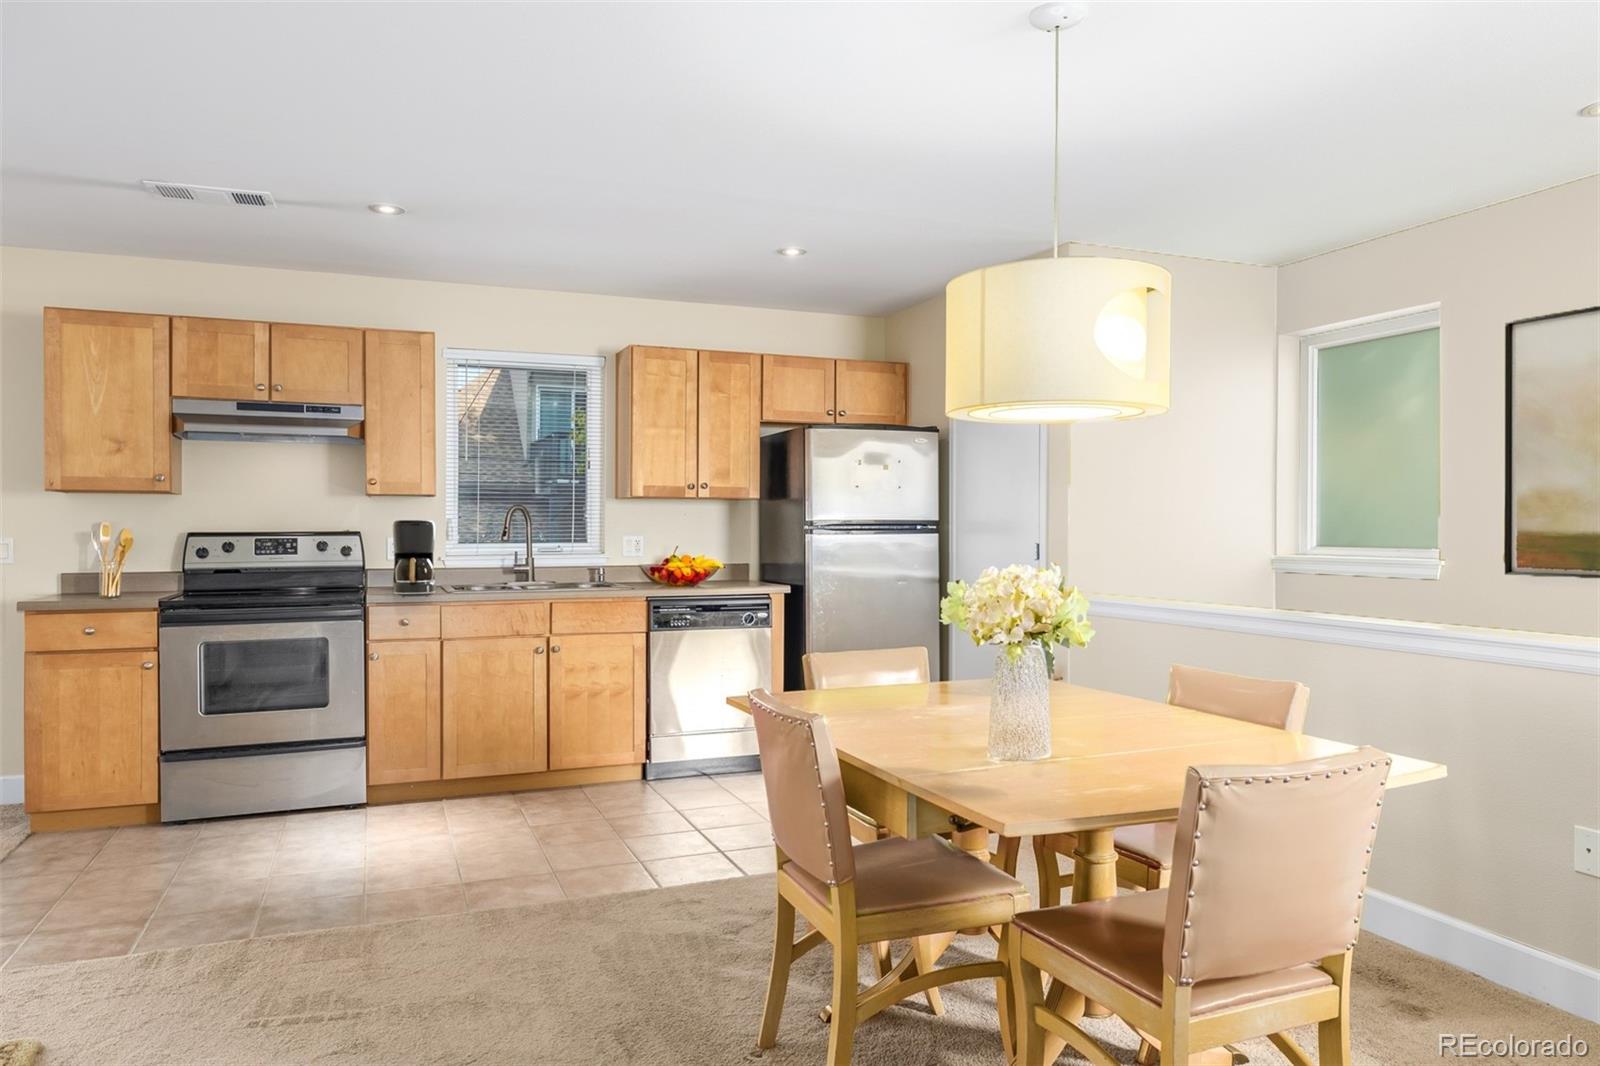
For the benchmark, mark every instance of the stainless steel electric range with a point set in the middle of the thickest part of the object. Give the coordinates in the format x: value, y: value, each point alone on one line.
x: 263, y: 694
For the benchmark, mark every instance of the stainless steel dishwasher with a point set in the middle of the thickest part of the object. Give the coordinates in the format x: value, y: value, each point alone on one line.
x: 704, y: 649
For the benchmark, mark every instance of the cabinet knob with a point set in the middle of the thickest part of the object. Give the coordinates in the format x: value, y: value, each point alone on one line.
x: 277, y: 388
x: 554, y: 648
x: 539, y: 650
x: 88, y: 631
x: 161, y: 477
x: 830, y: 413
x: 405, y: 621
x: 373, y: 656
x: 843, y: 413
x: 372, y: 481
x: 704, y: 485
x: 260, y: 387
x: 148, y: 666
x: 690, y: 486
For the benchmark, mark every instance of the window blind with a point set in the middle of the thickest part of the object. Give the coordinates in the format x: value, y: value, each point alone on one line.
x: 524, y: 429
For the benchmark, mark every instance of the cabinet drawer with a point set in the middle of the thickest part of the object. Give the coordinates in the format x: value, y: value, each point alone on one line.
x: 90, y: 630
x: 531, y: 619
x: 403, y: 623
x: 598, y: 616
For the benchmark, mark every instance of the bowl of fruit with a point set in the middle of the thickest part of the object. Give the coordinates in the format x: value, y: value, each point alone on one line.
x: 681, y: 569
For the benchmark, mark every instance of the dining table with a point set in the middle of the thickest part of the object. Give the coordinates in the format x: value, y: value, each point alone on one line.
x: 915, y: 759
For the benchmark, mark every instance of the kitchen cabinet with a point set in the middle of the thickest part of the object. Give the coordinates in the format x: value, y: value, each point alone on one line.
x: 808, y: 391
x: 796, y: 389
x: 404, y: 726
x: 220, y: 359
x: 495, y: 706
x: 597, y: 700
x: 399, y: 420
x: 89, y: 717
x: 317, y: 364
x: 108, y: 402
x: 728, y: 409
x: 869, y: 392
x: 658, y: 428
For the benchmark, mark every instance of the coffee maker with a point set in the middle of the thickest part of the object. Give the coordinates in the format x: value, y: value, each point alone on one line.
x: 413, y: 557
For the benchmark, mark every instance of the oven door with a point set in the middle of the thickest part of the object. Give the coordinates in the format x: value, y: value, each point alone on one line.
x: 244, y: 682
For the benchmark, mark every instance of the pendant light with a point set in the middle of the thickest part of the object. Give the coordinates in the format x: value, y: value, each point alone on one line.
x: 1063, y: 339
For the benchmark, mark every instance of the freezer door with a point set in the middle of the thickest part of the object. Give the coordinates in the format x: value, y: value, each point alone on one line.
x: 876, y: 475
x: 872, y: 590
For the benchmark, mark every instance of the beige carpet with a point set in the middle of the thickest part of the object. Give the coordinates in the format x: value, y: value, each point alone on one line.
x: 666, y: 976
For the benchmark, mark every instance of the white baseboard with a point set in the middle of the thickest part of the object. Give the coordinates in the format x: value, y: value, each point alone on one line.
x: 11, y: 788
x: 1571, y: 986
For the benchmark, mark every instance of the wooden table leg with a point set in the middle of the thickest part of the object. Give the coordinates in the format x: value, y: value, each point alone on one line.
x: 1094, y: 876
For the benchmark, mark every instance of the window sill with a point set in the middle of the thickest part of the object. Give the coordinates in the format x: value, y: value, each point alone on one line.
x: 1415, y: 567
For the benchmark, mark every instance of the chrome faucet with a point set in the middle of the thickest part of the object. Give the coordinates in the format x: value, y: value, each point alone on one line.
x: 527, y: 528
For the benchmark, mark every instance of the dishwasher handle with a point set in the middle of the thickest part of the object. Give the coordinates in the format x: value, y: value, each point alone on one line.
x: 678, y: 615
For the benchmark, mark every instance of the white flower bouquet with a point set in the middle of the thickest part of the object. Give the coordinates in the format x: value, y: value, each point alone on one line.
x: 1017, y: 607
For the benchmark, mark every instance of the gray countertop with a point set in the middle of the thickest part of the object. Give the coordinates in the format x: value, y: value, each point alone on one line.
x: 128, y: 601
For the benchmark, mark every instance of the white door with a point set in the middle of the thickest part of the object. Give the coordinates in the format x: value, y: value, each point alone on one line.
x: 997, y: 516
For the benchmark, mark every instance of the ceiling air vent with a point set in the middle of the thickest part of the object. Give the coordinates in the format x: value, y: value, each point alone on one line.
x: 208, y: 194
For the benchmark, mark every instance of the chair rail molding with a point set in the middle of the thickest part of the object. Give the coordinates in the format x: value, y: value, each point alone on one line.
x: 1509, y: 647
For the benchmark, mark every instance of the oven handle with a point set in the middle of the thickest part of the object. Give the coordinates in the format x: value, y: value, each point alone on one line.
x: 206, y: 616
x: 288, y: 748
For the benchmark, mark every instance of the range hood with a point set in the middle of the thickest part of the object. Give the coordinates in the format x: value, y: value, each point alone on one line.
x: 318, y: 423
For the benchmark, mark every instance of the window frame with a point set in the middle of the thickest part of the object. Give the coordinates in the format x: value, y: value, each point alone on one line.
x: 1311, y: 557
x: 592, y: 551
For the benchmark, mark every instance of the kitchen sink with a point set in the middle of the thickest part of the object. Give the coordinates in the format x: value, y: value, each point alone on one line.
x: 505, y: 586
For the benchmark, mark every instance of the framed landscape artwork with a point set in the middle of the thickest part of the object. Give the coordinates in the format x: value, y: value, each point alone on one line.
x: 1553, y: 444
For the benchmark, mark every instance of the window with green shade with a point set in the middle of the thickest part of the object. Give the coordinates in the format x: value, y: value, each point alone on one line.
x: 1374, y: 439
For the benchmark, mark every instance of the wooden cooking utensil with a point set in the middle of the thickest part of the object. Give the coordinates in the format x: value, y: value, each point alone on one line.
x: 124, y: 546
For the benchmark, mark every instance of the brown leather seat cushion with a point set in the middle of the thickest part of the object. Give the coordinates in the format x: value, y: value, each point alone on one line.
x: 1121, y: 938
x: 1149, y: 843
x: 897, y: 874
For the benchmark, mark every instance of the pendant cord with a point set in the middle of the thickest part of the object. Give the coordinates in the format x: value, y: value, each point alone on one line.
x: 1055, y: 176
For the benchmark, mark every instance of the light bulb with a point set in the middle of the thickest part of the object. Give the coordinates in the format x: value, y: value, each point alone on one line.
x: 1119, y: 331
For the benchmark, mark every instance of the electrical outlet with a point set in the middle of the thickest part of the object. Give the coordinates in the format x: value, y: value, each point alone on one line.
x: 8, y: 550
x: 391, y: 549
x: 1586, y: 850
x: 632, y: 547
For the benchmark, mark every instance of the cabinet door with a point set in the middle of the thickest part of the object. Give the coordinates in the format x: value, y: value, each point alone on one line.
x: 316, y: 364
x: 729, y: 455
x: 399, y: 414
x: 403, y: 724
x: 871, y: 392
x: 597, y: 689
x: 656, y: 450
x: 219, y: 359
x: 89, y: 729
x: 107, y: 403
x: 796, y: 389
x: 494, y: 706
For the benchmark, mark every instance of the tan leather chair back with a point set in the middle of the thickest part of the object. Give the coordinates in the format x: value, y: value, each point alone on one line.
x: 805, y: 795
x: 1270, y: 864
x: 859, y: 669
x: 1280, y: 704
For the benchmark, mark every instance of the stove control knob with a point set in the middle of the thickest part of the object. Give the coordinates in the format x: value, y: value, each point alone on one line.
x: 227, y: 545
x: 322, y: 545
x: 201, y: 552
x: 346, y: 550
x: 749, y: 618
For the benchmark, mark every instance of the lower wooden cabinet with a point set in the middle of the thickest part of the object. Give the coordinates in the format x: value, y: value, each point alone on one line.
x: 90, y: 729
x: 403, y: 719
x: 597, y: 700
x: 494, y: 712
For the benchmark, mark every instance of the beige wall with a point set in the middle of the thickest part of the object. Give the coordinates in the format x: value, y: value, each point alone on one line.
x: 275, y: 486
x: 1531, y: 256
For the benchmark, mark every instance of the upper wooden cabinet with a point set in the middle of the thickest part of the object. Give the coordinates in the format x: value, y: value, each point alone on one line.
x: 317, y: 364
x: 870, y: 391
x: 107, y: 402
x: 658, y: 429
x: 796, y: 389
x: 399, y: 425
x: 729, y: 452
x: 220, y: 359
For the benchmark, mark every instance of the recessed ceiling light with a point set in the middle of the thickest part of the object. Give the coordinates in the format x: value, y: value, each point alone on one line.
x: 1592, y: 111
x: 791, y: 252
x: 386, y: 209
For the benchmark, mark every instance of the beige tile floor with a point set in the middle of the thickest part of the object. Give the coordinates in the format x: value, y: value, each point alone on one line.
x: 96, y: 893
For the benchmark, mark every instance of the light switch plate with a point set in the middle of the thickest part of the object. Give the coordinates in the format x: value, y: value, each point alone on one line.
x: 632, y: 547
x: 1586, y: 850
x: 8, y: 550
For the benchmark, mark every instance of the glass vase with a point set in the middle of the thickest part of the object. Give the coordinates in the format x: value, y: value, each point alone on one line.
x: 1019, y: 707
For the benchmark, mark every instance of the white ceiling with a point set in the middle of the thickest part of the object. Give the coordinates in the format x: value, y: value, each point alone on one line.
x: 665, y: 150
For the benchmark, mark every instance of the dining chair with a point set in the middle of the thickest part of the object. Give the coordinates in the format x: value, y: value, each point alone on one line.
x: 884, y: 890
x: 1144, y: 852
x: 1270, y: 870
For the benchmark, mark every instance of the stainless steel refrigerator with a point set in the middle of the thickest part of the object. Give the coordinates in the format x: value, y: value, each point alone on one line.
x: 850, y: 519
